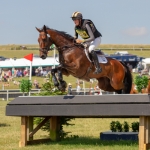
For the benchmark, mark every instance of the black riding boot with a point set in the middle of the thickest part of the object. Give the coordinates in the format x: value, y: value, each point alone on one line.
x: 95, y: 59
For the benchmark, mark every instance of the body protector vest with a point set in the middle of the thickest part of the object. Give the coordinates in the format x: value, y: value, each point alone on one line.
x: 82, y: 31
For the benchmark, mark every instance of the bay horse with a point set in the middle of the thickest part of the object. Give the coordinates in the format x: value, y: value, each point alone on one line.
x: 115, y: 76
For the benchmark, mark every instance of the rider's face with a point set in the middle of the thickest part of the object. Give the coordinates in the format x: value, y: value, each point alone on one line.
x: 76, y: 22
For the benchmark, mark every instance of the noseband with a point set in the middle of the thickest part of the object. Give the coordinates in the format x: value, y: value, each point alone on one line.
x: 44, y: 50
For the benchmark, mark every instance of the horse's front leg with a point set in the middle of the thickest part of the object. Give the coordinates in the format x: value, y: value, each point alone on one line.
x: 63, y: 84
x: 54, y: 79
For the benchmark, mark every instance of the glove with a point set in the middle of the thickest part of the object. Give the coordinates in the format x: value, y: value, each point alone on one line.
x: 79, y: 41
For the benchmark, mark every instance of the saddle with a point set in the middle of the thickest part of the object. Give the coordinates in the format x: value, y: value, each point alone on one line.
x: 100, y: 55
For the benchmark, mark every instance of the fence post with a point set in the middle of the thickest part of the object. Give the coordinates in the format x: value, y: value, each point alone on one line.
x: 2, y: 86
x: 7, y: 97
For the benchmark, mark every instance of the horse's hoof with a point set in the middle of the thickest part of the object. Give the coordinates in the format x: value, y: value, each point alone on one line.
x: 62, y: 89
x: 63, y: 84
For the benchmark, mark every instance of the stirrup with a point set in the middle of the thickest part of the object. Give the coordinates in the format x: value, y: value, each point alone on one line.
x: 98, y: 70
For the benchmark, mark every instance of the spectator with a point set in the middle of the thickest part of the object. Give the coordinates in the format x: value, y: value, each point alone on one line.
x: 5, y: 78
x: 25, y: 73
x: 36, y: 84
x: 13, y: 72
x: 0, y: 78
x: 139, y: 67
x: 36, y: 72
x: 130, y: 67
x: 78, y: 89
x: 145, y: 71
x: 96, y: 87
x: 44, y: 73
x: 69, y: 89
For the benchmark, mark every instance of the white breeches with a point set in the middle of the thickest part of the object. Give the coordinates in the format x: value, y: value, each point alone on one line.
x: 94, y: 44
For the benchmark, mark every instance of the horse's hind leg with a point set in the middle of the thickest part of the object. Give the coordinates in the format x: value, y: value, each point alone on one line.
x: 104, y: 84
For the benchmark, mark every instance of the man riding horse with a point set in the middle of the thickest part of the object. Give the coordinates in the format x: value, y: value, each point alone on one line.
x: 91, y: 36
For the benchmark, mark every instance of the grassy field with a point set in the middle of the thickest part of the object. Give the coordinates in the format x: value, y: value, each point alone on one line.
x: 5, y: 50
x: 88, y: 131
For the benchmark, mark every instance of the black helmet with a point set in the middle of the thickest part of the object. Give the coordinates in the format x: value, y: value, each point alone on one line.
x: 76, y: 15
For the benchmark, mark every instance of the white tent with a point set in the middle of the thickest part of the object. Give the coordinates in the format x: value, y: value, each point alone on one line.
x: 146, y: 60
x: 6, y: 64
x: 22, y: 62
x: 19, y: 63
x: 146, y: 63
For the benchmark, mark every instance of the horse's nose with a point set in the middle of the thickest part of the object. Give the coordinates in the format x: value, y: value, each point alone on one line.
x: 43, y: 56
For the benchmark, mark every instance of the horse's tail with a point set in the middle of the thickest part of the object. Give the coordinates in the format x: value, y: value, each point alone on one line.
x: 127, y: 79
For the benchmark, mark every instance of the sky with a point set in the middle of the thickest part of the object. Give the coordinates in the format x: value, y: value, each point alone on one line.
x: 119, y: 21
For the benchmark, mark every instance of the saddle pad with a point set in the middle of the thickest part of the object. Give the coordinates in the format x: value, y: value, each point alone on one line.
x: 102, y: 59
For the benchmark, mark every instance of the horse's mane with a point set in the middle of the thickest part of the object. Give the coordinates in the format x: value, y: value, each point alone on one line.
x: 68, y: 36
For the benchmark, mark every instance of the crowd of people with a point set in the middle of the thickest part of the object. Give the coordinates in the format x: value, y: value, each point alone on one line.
x: 8, y: 75
x: 92, y: 90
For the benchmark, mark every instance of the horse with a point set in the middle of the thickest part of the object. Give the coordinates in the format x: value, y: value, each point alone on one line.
x: 115, y: 75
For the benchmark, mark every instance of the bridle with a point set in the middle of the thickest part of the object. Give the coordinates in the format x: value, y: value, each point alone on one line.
x: 61, y: 48
x: 45, y: 49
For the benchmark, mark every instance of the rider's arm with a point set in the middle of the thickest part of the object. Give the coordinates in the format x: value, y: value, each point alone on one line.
x: 91, y: 38
x: 75, y: 34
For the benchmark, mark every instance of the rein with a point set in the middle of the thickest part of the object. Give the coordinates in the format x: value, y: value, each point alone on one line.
x: 66, y: 47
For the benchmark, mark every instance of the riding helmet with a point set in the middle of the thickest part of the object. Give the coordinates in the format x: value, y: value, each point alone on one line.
x: 76, y: 15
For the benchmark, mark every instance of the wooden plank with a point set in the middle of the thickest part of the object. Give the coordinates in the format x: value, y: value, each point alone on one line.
x: 147, y: 146
x: 142, y: 133
x: 23, y: 138
x: 97, y: 110
x: 30, y: 128
x: 54, y: 128
x: 90, y: 99
x: 39, y: 126
x: 38, y: 141
x: 147, y: 134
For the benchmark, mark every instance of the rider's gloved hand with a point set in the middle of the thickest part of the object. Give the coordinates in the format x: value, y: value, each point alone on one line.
x: 79, y: 41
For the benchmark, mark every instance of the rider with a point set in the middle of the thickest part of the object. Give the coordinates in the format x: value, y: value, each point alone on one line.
x: 91, y: 36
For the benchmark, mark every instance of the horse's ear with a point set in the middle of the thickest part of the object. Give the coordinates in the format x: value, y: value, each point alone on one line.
x: 38, y: 29
x: 44, y: 28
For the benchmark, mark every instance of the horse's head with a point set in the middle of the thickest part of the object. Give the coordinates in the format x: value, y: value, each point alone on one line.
x: 44, y: 42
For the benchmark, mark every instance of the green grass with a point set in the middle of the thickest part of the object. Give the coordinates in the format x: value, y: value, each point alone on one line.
x: 5, y: 50
x: 88, y: 131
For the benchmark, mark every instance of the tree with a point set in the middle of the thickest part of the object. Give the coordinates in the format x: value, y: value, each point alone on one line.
x: 49, y: 89
x: 25, y: 86
x: 141, y: 82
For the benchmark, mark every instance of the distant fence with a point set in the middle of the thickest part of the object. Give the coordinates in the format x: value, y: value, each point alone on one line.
x: 6, y: 94
x: 126, y: 49
x: 117, y: 49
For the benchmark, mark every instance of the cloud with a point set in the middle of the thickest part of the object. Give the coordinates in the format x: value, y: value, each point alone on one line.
x: 137, y: 31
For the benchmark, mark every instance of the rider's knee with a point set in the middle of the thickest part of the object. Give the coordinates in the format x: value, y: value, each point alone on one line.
x: 91, y: 48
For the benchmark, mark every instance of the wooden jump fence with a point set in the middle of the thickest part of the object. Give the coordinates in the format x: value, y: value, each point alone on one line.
x: 104, y: 106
